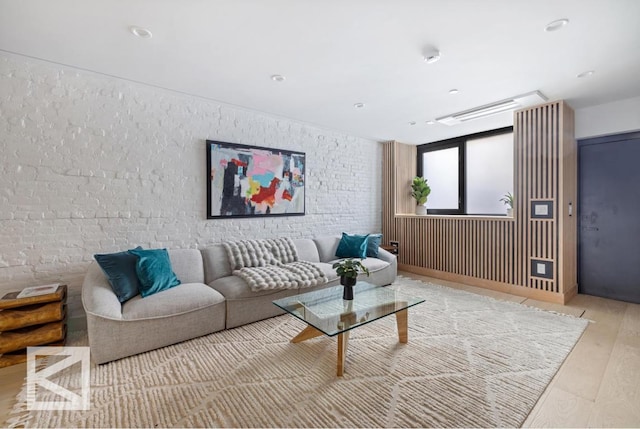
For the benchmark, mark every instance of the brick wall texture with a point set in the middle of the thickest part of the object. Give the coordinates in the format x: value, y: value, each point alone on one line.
x: 94, y: 164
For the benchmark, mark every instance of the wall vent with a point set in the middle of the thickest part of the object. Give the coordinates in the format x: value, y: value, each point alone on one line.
x: 525, y: 100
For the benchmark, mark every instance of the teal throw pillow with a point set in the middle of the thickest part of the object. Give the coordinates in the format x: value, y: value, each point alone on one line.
x: 352, y: 246
x: 120, y: 269
x: 154, y: 271
x: 373, y: 243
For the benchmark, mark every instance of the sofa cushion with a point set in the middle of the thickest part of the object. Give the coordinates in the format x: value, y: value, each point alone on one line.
x: 372, y: 264
x: 328, y: 271
x: 120, y: 269
x: 216, y: 263
x: 327, y: 247
x: 154, y: 271
x: 181, y: 299
x: 307, y: 250
x: 233, y: 287
x: 352, y: 246
x: 187, y: 264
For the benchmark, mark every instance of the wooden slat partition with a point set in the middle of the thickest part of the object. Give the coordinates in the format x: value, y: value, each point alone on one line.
x: 469, y: 247
x: 496, y: 252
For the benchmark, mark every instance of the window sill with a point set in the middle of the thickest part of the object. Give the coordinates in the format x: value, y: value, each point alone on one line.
x: 474, y: 217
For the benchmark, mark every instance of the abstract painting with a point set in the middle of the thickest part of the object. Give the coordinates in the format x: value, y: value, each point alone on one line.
x: 248, y: 181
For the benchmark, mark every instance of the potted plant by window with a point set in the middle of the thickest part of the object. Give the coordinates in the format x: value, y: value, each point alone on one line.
x: 420, y: 190
x: 508, y: 201
x: 348, y: 270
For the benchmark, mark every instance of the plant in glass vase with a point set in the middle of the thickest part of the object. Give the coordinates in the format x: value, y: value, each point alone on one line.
x: 348, y: 270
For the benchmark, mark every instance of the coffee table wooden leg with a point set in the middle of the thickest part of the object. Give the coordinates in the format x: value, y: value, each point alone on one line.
x: 403, y: 325
x: 307, y: 333
x: 343, y: 343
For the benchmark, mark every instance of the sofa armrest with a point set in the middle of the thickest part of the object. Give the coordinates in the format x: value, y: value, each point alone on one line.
x: 390, y: 258
x: 98, y: 297
x: 386, y: 255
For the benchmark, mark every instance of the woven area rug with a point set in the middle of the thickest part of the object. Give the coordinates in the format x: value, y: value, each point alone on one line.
x: 471, y: 361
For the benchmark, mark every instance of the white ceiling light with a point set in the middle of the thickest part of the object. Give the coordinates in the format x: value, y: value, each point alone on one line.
x: 453, y: 91
x: 556, y: 25
x: 524, y: 100
x: 141, y: 32
x: 431, y: 122
x: 412, y: 123
x: 431, y: 55
x: 586, y: 74
x: 278, y: 78
x: 358, y: 105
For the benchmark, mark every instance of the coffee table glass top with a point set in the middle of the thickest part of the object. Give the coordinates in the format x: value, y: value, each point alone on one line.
x: 326, y: 311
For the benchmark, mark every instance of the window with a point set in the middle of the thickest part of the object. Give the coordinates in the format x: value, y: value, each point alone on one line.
x: 468, y: 175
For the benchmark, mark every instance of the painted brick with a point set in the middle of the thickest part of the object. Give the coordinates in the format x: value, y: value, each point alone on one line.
x: 93, y: 164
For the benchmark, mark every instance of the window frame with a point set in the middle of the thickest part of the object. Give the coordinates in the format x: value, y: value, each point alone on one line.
x: 461, y: 144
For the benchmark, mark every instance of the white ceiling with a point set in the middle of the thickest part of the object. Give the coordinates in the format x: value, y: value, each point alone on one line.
x: 335, y: 53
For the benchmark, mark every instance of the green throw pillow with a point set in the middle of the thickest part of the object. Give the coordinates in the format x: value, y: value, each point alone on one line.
x: 120, y: 269
x: 154, y: 271
x: 352, y: 246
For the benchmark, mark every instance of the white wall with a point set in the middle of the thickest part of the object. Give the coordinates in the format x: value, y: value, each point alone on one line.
x: 611, y: 118
x: 96, y: 164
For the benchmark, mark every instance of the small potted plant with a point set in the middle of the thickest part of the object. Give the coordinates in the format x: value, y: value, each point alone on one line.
x: 348, y: 270
x: 420, y: 190
x: 508, y: 201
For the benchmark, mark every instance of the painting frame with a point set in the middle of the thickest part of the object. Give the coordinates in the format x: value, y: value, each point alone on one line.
x: 246, y: 181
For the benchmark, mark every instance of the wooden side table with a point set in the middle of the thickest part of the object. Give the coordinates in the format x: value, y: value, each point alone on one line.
x: 391, y: 249
x: 33, y: 321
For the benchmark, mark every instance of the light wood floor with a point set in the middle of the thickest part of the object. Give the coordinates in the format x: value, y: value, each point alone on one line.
x: 597, y: 386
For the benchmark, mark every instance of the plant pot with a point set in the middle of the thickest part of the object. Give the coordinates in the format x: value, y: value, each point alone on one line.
x: 421, y: 210
x: 509, y: 212
x: 347, y: 293
x: 348, y: 283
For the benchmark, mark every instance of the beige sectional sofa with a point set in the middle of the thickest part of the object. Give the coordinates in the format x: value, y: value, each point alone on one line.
x: 209, y: 299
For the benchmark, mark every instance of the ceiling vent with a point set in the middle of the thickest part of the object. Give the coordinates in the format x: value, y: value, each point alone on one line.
x: 520, y: 101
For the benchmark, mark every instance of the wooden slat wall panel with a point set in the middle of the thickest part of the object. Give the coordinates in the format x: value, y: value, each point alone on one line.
x: 497, y: 249
x: 388, y: 191
x: 539, y: 179
x: 471, y: 247
x: 406, y: 168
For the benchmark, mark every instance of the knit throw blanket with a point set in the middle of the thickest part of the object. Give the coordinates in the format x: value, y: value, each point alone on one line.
x: 271, y: 264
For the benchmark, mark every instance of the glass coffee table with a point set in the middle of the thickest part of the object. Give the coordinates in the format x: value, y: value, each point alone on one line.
x: 326, y: 313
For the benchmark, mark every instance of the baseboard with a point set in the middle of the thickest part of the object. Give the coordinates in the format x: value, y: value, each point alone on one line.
x: 541, y: 295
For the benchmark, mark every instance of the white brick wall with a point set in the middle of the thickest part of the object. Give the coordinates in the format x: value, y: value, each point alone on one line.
x: 96, y: 164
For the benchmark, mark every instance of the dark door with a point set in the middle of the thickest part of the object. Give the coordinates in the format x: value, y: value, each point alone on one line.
x: 609, y: 222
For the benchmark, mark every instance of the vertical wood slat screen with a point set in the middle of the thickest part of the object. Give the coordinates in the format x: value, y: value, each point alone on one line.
x: 496, y: 249
x: 478, y: 248
x: 388, y: 191
x: 406, y: 168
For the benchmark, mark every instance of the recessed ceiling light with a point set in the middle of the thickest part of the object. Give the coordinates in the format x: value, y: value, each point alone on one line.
x: 453, y: 91
x: 278, y: 78
x: 556, y: 25
x: 412, y: 123
x: 141, y: 32
x: 358, y: 105
x: 431, y: 122
x: 431, y: 55
x: 586, y: 74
